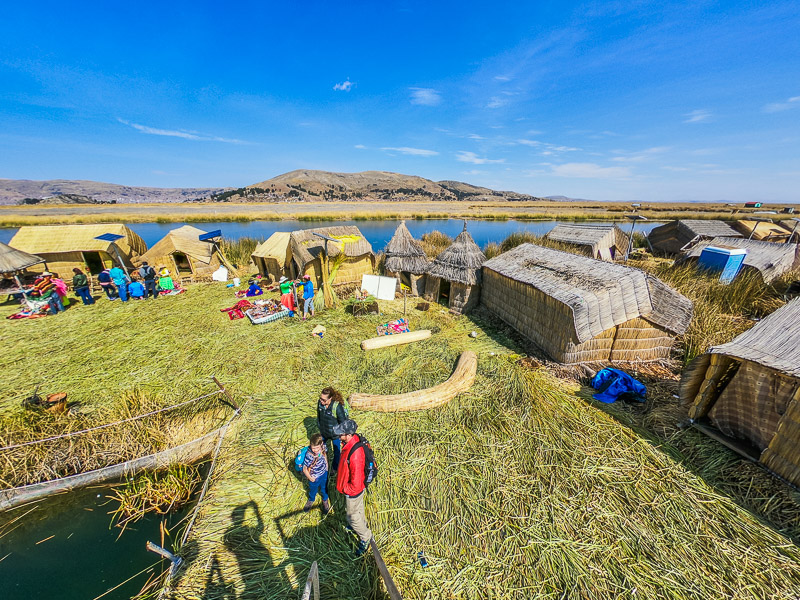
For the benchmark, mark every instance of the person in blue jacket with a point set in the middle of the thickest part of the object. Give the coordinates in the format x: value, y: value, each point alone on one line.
x: 308, y: 296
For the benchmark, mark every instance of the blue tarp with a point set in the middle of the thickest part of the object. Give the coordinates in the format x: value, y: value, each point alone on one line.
x: 613, y: 383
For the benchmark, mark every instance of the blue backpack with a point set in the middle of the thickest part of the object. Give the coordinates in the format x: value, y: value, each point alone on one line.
x: 300, y: 459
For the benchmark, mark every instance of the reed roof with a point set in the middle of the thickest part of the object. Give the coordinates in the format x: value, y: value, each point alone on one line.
x: 13, y: 260
x: 404, y: 253
x: 460, y: 262
x: 599, y: 293
x: 773, y: 342
x: 762, y: 230
x: 275, y: 246
x: 770, y: 259
x: 184, y: 240
x: 50, y: 239
x: 673, y: 236
x: 349, y: 241
x: 596, y: 236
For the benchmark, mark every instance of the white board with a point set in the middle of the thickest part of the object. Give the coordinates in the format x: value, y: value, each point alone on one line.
x: 383, y: 288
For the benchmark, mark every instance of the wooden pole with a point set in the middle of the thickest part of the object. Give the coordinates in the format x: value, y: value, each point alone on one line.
x: 326, y: 284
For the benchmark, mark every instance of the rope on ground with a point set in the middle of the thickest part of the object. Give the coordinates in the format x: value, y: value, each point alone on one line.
x: 128, y: 420
x: 391, y: 587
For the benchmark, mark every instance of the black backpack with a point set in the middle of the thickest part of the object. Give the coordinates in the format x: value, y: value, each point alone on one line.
x: 370, y: 464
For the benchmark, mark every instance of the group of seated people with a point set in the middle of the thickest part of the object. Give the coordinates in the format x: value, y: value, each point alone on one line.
x: 287, y: 290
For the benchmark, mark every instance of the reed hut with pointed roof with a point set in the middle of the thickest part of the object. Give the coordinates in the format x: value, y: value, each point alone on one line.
x: 455, y: 275
x: 578, y: 309
x: 65, y: 247
x: 182, y: 252
x: 604, y: 242
x: 406, y: 260
x: 749, y: 390
x: 678, y: 236
x: 762, y: 230
x: 273, y: 256
x: 769, y: 259
x: 349, y: 256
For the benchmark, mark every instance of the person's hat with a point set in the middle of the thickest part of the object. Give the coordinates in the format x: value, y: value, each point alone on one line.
x: 306, y: 276
x: 347, y: 428
x: 47, y: 274
x: 282, y: 279
x: 164, y: 272
x: 144, y: 263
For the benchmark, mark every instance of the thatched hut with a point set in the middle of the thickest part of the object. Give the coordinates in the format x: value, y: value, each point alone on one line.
x: 349, y: 256
x: 65, y: 247
x: 676, y: 237
x: 455, y: 274
x: 605, y: 242
x: 762, y: 230
x: 14, y: 261
x: 749, y: 390
x: 406, y: 260
x: 182, y: 252
x: 579, y: 309
x: 273, y: 256
x: 769, y: 259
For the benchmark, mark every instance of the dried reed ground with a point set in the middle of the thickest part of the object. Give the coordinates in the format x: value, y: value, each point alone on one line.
x: 519, y: 487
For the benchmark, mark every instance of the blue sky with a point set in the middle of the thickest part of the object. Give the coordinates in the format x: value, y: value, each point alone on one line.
x: 606, y: 100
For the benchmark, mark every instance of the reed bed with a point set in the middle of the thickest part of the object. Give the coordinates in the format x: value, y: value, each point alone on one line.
x: 435, y: 242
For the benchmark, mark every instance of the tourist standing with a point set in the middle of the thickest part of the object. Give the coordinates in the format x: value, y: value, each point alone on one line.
x: 120, y: 279
x: 148, y: 275
x: 104, y: 279
x: 332, y: 410
x: 315, y: 468
x: 350, y: 482
x: 80, y: 283
x: 308, y: 296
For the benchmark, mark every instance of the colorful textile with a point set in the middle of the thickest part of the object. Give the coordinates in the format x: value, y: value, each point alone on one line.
x: 260, y: 320
x: 61, y: 287
x: 44, y: 287
x: 288, y: 301
x: 392, y: 327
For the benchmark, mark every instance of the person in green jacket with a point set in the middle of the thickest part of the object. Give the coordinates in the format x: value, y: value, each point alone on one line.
x: 80, y: 284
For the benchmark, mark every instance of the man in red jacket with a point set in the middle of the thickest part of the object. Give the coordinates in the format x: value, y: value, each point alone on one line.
x: 350, y: 483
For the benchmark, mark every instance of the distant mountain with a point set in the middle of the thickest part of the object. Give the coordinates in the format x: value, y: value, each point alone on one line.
x: 320, y: 186
x: 61, y: 199
x: 13, y: 191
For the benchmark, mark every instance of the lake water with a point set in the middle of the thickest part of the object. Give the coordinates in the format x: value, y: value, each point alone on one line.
x: 377, y: 232
x: 64, y: 548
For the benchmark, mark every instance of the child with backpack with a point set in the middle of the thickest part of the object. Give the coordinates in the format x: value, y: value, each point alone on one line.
x: 315, y: 468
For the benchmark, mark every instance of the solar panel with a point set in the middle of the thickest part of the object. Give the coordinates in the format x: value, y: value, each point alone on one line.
x: 109, y: 237
x: 210, y: 235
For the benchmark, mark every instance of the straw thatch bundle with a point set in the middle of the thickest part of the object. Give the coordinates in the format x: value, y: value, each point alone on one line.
x: 273, y: 256
x: 597, y: 241
x: 13, y: 260
x: 676, y: 236
x: 65, y: 247
x: 183, y: 253
x: 351, y: 254
x: 404, y: 253
x: 750, y: 389
x: 762, y: 230
x: 769, y: 259
x: 578, y: 309
x: 460, y: 262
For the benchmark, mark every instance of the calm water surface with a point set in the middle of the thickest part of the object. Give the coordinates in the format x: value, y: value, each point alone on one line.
x: 377, y: 232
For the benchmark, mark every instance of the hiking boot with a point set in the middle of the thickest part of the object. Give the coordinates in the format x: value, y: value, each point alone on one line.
x: 326, y: 507
x: 361, y: 548
x: 308, y: 506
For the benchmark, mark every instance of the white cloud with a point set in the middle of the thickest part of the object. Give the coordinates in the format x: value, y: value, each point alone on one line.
x: 475, y: 136
x: 344, y: 86
x: 589, y: 171
x: 360, y: 146
x: 412, y: 151
x: 641, y: 156
x: 471, y: 157
x: 180, y: 133
x: 474, y: 172
x: 793, y: 102
x: 502, y: 78
x: 697, y: 116
x: 425, y: 96
x: 497, y: 102
x: 547, y: 148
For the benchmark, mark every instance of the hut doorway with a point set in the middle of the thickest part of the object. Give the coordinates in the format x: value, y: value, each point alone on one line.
x: 405, y: 279
x: 444, y: 292
x: 182, y: 264
x: 94, y: 262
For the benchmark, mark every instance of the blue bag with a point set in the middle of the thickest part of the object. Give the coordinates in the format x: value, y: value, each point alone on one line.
x: 300, y: 459
x: 613, y: 383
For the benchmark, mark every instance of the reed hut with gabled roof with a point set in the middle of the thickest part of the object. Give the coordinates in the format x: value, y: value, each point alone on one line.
x: 182, y: 252
x: 65, y: 247
x: 749, y: 390
x: 348, y: 257
x: 676, y: 237
x: 273, y: 256
x: 406, y: 260
x: 455, y: 275
x: 578, y: 309
x: 769, y: 259
x: 604, y: 242
x: 762, y: 230
x: 14, y: 261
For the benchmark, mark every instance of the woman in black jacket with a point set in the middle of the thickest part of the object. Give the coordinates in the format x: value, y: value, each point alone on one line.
x: 332, y: 409
x: 80, y: 284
